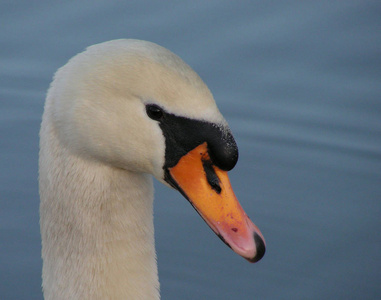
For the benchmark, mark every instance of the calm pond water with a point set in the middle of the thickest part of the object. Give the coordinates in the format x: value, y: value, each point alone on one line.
x: 300, y: 85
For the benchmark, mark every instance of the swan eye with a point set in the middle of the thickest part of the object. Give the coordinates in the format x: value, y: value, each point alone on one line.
x: 154, y: 112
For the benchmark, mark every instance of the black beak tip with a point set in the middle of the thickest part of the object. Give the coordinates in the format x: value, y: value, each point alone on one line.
x: 261, y: 248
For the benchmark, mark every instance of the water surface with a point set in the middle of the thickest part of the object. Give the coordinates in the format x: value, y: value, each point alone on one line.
x: 298, y: 82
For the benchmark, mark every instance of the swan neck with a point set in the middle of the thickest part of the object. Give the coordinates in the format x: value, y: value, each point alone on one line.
x: 96, y: 227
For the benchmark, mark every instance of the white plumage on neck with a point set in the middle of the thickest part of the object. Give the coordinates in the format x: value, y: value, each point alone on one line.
x: 96, y: 226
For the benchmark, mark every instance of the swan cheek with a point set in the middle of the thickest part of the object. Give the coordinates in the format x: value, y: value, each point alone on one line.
x: 209, y: 191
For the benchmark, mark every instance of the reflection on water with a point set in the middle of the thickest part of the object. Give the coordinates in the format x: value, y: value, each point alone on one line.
x: 300, y: 86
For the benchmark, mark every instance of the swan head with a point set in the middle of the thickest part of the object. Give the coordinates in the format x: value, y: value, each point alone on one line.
x: 136, y: 106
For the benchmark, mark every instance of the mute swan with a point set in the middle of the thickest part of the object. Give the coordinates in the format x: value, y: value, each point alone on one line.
x: 115, y: 114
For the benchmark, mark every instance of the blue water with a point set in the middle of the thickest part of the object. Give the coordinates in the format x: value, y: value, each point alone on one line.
x: 300, y: 85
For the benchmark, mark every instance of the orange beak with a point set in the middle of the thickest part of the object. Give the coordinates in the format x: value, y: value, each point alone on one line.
x: 209, y: 190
